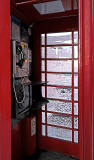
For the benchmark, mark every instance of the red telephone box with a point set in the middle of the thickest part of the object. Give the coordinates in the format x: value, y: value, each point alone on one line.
x: 86, y: 77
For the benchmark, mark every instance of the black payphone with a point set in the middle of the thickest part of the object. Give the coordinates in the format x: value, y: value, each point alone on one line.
x: 21, y: 84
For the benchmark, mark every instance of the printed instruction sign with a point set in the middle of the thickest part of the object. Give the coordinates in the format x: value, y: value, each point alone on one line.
x: 33, y: 126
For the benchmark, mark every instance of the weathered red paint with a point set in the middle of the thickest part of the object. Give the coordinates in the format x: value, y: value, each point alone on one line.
x: 5, y: 92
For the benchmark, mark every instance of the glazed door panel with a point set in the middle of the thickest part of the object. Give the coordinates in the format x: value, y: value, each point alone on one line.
x: 59, y: 67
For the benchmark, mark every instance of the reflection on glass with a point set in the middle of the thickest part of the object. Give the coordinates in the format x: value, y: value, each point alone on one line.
x: 43, y: 117
x: 42, y: 39
x: 59, y: 120
x: 60, y: 107
x: 59, y: 52
x: 75, y: 108
x: 59, y: 38
x: 76, y: 37
x: 75, y: 51
x: 76, y: 94
x: 75, y: 65
x: 76, y: 136
x: 75, y: 5
x: 43, y: 91
x: 75, y: 80
x: 43, y: 130
x: 59, y: 133
x: 59, y: 79
x: 42, y: 52
x: 59, y: 66
x: 43, y: 65
x: 43, y: 108
x: 76, y: 122
x: 43, y: 76
x: 49, y: 7
x: 59, y: 93
x: 66, y: 4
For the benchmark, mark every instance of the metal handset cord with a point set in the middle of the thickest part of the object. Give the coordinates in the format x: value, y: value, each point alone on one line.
x: 19, y: 102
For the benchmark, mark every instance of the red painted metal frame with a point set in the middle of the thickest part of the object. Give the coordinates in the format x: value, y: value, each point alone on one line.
x: 59, y: 72
x: 61, y: 100
x: 73, y: 86
x: 59, y: 86
x: 58, y: 59
x: 59, y: 146
x: 65, y: 114
x: 28, y: 141
x: 93, y: 70
x: 5, y: 92
x: 30, y: 2
x: 57, y: 45
x: 72, y: 4
x: 16, y: 142
x: 85, y: 80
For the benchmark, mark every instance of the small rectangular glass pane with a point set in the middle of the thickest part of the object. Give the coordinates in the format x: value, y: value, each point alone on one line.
x: 43, y: 76
x: 43, y: 108
x: 59, y: 120
x: 59, y: 52
x: 43, y: 91
x: 48, y: 7
x: 76, y: 94
x: 76, y: 136
x: 59, y: 66
x: 67, y: 5
x: 43, y: 130
x: 75, y: 65
x: 59, y: 107
x: 42, y: 52
x: 59, y: 79
x: 43, y: 117
x: 76, y: 80
x: 59, y: 133
x: 59, y: 93
x: 75, y: 108
x: 42, y: 39
x: 76, y: 122
x: 75, y: 5
x: 59, y: 38
x: 75, y: 51
x: 43, y: 65
x: 76, y: 37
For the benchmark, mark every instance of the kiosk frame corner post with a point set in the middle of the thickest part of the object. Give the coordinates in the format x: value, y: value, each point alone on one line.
x: 5, y: 81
